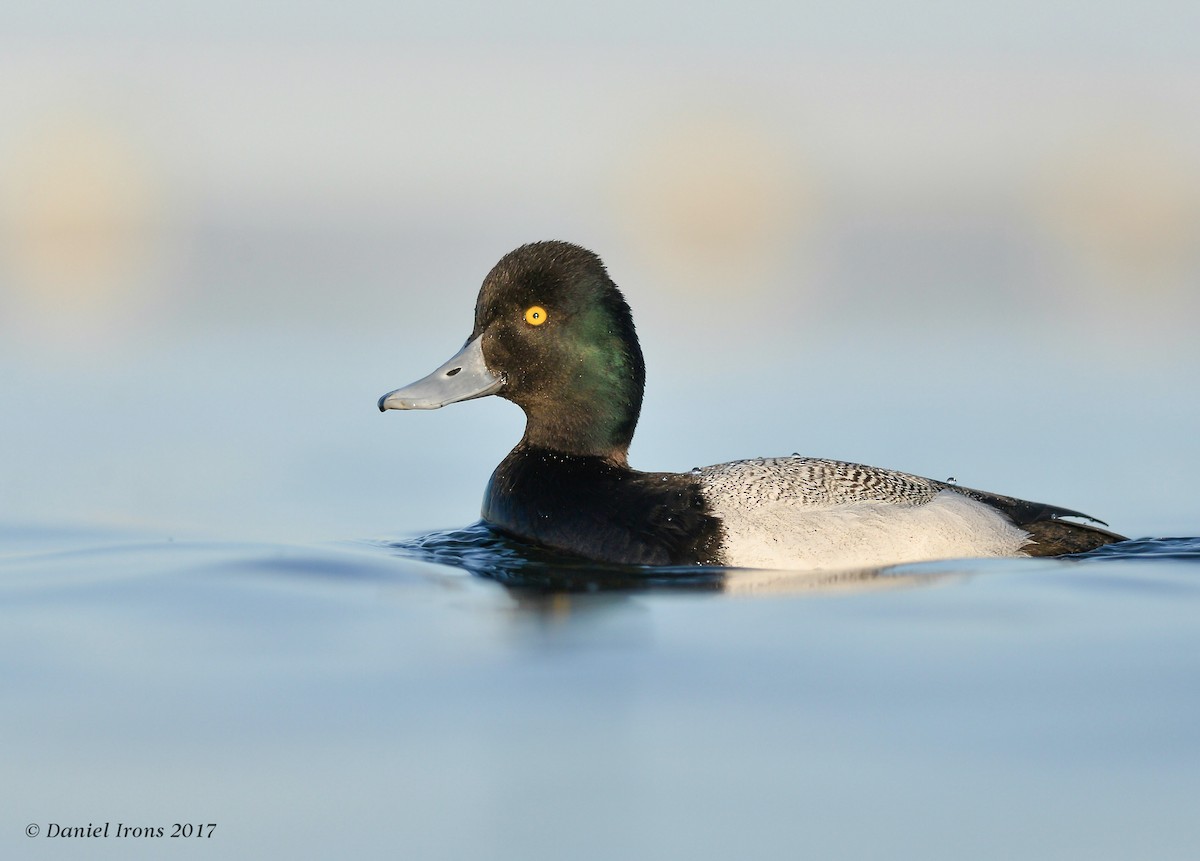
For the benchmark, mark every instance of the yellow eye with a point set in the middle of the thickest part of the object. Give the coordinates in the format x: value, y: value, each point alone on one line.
x: 535, y: 315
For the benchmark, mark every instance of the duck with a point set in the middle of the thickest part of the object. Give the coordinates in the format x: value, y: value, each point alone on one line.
x: 554, y: 335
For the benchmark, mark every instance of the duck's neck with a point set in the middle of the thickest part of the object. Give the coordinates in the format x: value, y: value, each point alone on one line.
x: 583, y: 427
x: 593, y: 411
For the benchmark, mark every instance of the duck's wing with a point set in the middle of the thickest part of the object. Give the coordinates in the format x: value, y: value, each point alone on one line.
x: 1022, y: 512
x: 1049, y: 535
x: 808, y: 482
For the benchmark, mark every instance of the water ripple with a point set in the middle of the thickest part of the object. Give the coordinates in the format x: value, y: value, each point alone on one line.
x: 486, y: 553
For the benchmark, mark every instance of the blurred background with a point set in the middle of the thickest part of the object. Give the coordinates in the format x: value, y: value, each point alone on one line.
x: 955, y: 239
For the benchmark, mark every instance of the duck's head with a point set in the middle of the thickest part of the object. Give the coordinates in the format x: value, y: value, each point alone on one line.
x: 554, y: 335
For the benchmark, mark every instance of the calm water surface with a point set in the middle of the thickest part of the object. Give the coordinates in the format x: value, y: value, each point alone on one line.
x: 454, y: 696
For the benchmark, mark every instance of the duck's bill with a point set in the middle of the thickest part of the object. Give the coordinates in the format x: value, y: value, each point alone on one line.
x: 465, y: 376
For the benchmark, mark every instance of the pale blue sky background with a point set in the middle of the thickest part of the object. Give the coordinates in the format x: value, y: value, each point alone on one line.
x: 953, y: 239
x: 1063, y: 28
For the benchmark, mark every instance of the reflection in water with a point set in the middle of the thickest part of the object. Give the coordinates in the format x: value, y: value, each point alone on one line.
x: 481, y: 551
x: 748, y: 581
x: 533, y: 571
x: 543, y: 580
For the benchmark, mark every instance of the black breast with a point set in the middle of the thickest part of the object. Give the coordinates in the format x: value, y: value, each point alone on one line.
x: 593, y: 508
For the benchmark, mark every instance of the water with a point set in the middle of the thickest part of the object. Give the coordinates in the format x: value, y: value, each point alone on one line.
x: 194, y: 626
x: 451, y: 696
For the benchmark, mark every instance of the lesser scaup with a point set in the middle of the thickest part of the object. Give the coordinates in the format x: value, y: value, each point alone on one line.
x: 554, y: 335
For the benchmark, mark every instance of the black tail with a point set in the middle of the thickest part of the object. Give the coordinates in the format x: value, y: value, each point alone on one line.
x: 1048, y: 535
x: 1056, y: 537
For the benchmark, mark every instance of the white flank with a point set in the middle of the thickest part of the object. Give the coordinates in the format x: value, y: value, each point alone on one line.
x: 766, y: 528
